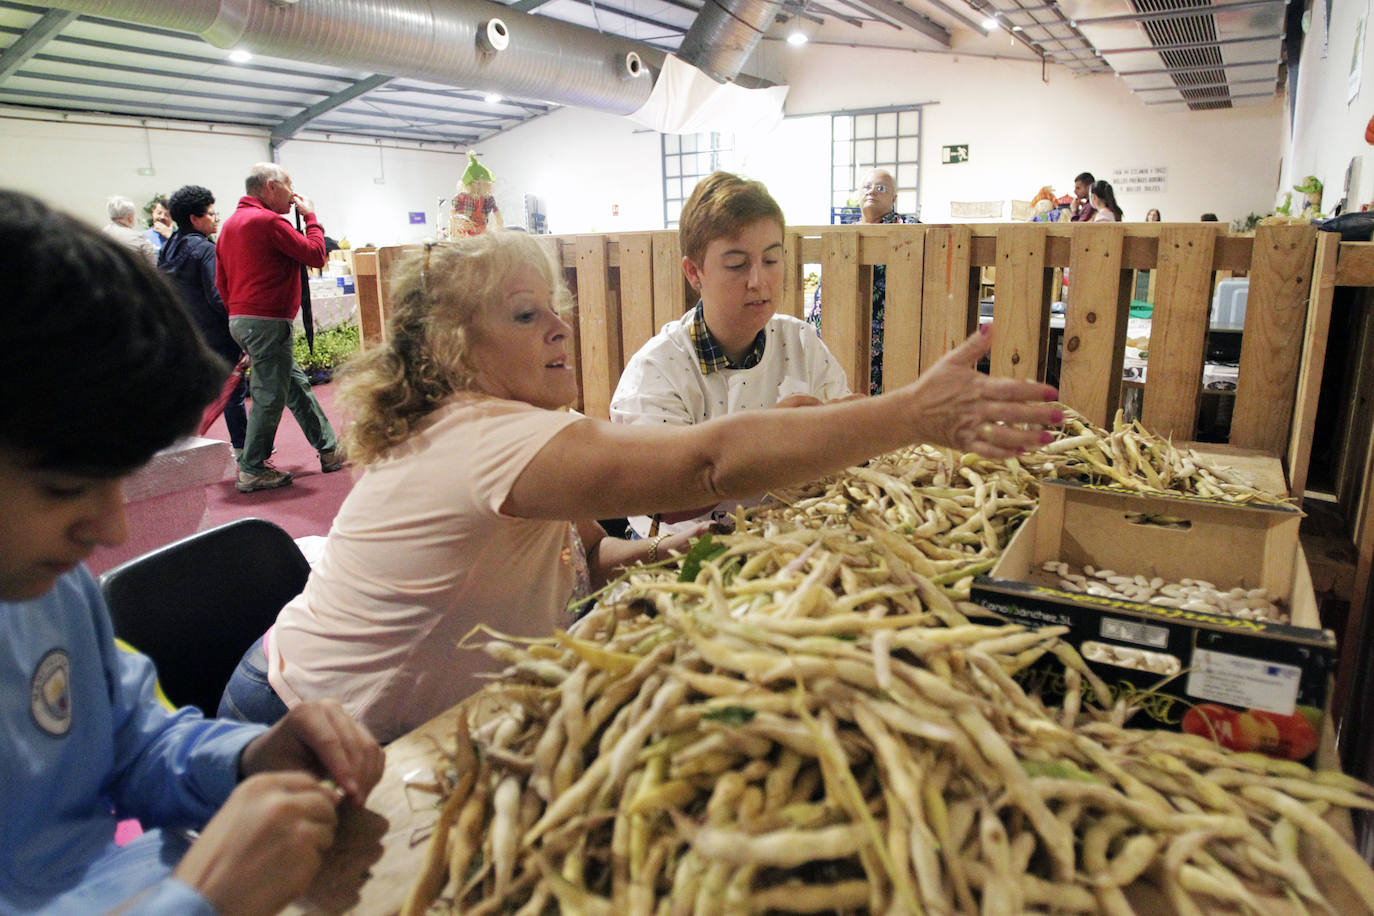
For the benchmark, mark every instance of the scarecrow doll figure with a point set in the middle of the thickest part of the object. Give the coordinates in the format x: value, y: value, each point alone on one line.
x: 474, y: 208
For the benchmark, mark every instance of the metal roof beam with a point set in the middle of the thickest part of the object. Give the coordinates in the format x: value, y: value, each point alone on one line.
x: 1190, y: 87
x: 1193, y: 68
x: 192, y: 58
x: 288, y: 128
x: 633, y: 17
x: 1231, y: 98
x: 468, y: 96
x: 477, y: 114
x: 893, y: 9
x: 175, y: 74
x: 356, y: 130
x: 33, y: 40
x: 1192, y: 45
x: 156, y: 90
x: 117, y: 106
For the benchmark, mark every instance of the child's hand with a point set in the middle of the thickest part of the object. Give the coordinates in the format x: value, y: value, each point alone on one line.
x: 322, y: 740
x: 265, y: 845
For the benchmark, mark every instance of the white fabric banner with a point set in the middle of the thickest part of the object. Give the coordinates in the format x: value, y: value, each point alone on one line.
x: 685, y: 100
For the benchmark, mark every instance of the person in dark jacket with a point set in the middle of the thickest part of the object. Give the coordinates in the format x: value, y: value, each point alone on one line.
x: 188, y: 257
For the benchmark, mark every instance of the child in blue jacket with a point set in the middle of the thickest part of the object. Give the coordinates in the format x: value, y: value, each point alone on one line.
x: 100, y: 368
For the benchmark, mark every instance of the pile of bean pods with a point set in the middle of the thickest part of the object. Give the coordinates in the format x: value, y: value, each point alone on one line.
x: 803, y: 717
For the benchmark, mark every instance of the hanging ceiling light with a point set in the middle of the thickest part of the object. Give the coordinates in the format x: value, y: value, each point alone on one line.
x: 492, y: 98
x: 990, y: 22
x: 798, y: 37
x: 240, y: 56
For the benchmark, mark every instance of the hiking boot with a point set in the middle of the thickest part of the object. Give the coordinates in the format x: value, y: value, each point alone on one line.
x: 269, y: 479
x: 332, y: 459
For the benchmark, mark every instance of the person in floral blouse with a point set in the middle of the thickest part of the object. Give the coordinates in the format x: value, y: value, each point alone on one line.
x: 877, y: 206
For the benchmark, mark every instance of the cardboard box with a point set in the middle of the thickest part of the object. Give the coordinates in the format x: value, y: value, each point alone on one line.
x: 1252, y: 685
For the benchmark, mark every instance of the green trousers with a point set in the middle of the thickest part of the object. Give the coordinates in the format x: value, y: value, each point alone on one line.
x: 276, y: 381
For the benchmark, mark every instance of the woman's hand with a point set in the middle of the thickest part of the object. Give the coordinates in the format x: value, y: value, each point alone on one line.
x: 961, y: 407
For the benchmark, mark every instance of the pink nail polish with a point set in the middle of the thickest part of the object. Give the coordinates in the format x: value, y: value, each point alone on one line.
x: 1057, y: 416
x: 1051, y: 394
x: 1046, y: 438
x: 985, y: 329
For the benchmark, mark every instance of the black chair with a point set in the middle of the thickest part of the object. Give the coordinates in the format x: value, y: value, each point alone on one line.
x: 195, y: 606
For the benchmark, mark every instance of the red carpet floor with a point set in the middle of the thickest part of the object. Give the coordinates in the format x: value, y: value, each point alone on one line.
x: 309, y: 504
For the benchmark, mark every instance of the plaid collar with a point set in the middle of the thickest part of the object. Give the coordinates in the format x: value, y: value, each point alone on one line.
x: 710, y: 356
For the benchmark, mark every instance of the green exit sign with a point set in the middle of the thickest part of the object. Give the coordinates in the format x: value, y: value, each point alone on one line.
x: 956, y: 153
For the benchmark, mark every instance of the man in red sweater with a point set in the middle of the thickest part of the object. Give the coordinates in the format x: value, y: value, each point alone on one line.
x: 259, y: 278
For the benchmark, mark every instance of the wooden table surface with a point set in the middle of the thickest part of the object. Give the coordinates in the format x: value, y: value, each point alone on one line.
x: 379, y: 851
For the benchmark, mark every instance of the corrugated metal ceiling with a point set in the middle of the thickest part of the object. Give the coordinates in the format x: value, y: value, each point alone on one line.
x: 1200, y: 53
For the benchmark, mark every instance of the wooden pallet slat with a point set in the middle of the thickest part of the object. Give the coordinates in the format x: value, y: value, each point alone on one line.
x: 949, y: 307
x: 1272, y: 344
x: 792, y: 296
x: 1178, y: 331
x: 1313, y: 361
x: 902, y: 311
x: 387, y: 259
x: 846, y: 307
x: 670, y: 286
x: 598, y: 319
x: 1022, y: 311
x: 366, y: 282
x: 636, y: 292
x: 1095, y: 323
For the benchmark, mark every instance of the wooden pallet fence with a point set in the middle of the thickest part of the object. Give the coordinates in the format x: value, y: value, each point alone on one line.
x: 628, y: 285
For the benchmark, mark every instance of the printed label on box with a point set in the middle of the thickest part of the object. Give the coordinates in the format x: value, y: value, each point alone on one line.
x: 1142, y: 634
x: 1244, y: 682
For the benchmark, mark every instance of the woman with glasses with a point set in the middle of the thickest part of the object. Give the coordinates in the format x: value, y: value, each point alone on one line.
x: 188, y: 257
x: 477, y: 492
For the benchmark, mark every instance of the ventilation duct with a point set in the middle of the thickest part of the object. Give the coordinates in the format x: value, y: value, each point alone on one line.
x: 440, y: 41
x: 724, y: 34
x: 1203, y: 54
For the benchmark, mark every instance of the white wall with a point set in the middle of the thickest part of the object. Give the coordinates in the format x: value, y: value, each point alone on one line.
x: 1023, y: 133
x: 76, y: 164
x: 1328, y: 130
x: 584, y: 166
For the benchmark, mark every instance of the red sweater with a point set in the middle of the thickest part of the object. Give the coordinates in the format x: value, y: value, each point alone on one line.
x: 260, y: 254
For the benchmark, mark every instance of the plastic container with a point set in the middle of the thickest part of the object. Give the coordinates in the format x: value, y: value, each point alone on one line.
x: 1228, y: 303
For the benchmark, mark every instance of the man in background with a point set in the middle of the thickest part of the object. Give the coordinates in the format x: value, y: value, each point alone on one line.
x: 188, y: 258
x: 121, y: 212
x: 1082, y: 206
x: 878, y: 205
x: 259, y: 278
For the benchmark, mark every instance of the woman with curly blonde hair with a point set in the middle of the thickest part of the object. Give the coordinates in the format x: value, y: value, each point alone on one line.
x: 477, y: 492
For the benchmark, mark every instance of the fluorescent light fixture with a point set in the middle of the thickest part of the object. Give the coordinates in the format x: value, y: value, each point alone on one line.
x: 240, y: 56
x: 492, y: 98
x: 990, y: 23
x: 797, y: 38
x: 1016, y: 28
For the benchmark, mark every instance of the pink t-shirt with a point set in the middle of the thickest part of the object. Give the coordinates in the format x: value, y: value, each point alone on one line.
x: 418, y: 555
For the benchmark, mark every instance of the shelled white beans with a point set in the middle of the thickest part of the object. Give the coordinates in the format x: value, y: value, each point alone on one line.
x: 1187, y: 594
x: 1128, y: 657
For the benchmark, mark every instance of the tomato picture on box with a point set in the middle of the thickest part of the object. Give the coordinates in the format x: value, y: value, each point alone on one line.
x: 1291, y: 737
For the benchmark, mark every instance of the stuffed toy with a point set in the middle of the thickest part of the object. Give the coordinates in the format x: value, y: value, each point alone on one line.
x: 474, y: 208
x: 1044, y: 194
x: 1311, y: 187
